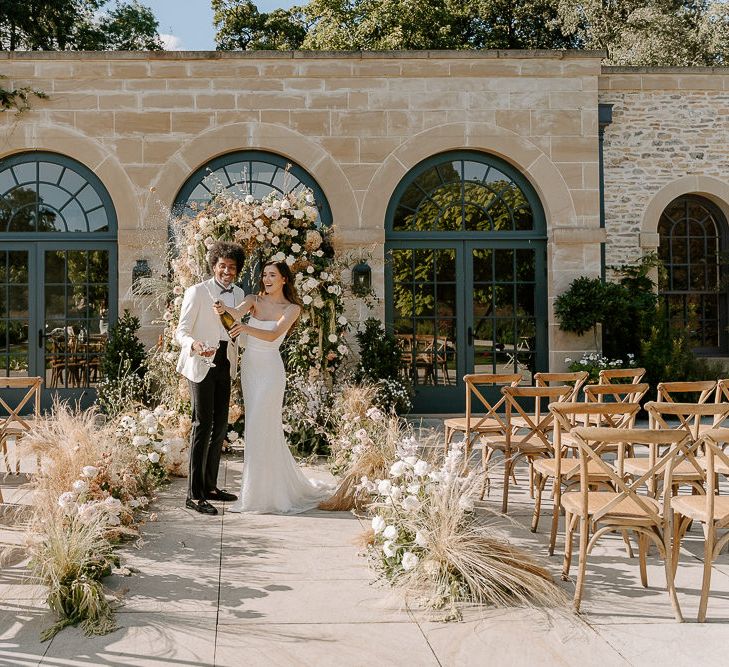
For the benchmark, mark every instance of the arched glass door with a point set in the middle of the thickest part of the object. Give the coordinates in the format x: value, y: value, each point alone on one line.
x: 58, y: 284
x: 466, y: 275
x: 692, y: 239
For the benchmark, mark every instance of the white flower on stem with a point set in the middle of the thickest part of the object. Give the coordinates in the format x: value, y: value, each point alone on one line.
x: 90, y: 471
x: 378, y: 524
x: 374, y: 414
x: 295, y: 247
x: 209, y: 242
x: 113, y: 504
x: 153, y: 457
x: 421, y: 468
x: 396, y: 493
x: 260, y: 238
x: 198, y: 237
x: 324, y: 275
x: 203, y: 223
x: 420, y: 539
x: 232, y: 436
x: 342, y: 320
x: 390, y: 532
x: 310, y: 269
x: 66, y: 499
x: 221, y: 217
x: 275, y: 240
x: 309, y: 198
x: 384, y: 486
x: 80, y: 485
x: 361, y: 434
x: 413, y: 488
x: 333, y: 338
x: 318, y: 302
x: 409, y: 560
x: 389, y: 549
x: 410, y: 504
x: 397, y: 469
x: 178, y: 289
x: 248, y: 199
x: 342, y: 349
x: 307, y: 300
x: 290, y: 260
x: 140, y: 440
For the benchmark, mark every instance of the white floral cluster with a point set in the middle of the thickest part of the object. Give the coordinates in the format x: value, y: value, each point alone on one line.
x: 84, y: 503
x: 148, y: 433
x: 401, y: 500
x: 597, y: 360
x: 234, y: 440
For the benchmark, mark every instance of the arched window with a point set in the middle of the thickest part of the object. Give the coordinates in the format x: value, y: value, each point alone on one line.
x: 692, y: 237
x: 465, y: 277
x: 249, y: 172
x: 58, y: 272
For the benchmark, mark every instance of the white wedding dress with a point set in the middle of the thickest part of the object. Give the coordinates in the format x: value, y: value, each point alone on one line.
x: 272, y: 481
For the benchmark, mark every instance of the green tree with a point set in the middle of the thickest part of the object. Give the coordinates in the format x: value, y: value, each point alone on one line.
x: 70, y: 25
x: 660, y: 32
x: 241, y: 27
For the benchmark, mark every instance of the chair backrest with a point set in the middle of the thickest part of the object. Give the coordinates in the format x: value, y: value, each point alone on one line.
x: 576, y: 380
x: 617, y: 393
x: 722, y: 390
x: 595, y: 443
x: 536, y: 421
x: 714, y: 441
x: 687, y: 416
x: 494, y: 414
x: 670, y: 391
x: 32, y: 385
x: 568, y: 415
x: 621, y: 375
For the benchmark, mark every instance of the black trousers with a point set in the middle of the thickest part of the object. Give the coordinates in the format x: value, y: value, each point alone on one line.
x: 210, y: 399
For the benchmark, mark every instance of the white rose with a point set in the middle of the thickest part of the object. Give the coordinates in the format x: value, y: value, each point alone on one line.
x: 113, y: 504
x: 295, y: 247
x: 66, y: 499
x: 261, y: 238
x: 389, y: 549
x: 310, y: 269
x: 332, y: 289
x: 90, y: 471
x: 342, y: 320
x: 221, y: 217
x: 140, y: 440
x: 318, y: 302
x: 378, y: 524
x: 390, y: 533
x: 411, y: 504
x: 397, y: 469
x: 248, y: 199
x: 232, y: 436
x: 275, y: 240
x: 177, y: 289
x: 198, y: 237
x: 307, y: 300
x: 420, y: 539
x: 290, y: 260
x: 309, y: 198
x: 342, y: 349
x: 278, y: 257
x: 80, y: 485
x: 298, y: 215
x: 421, y: 468
x: 167, y: 316
x: 153, y: 457
x: 396, y: 493
x: 324, y: 275
x: 384, y: 486
x: 202, y: 223
x: 209, y: 242
x: 409, y: 560
x: 333, y: 338
x: 319, y: 253
x: 178, y: 301
x: 285, y: 206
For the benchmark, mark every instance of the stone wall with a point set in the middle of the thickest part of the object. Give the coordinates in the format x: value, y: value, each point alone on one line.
x: 356, y: 121
x: 669, y: 137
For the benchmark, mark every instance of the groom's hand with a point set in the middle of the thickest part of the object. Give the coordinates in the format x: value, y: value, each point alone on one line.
x: 198, y: 347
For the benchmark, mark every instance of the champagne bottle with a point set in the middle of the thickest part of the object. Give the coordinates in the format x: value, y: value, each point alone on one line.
x: 227, y: 320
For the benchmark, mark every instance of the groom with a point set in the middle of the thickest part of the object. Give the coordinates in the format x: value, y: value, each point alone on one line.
x: 198, y: 329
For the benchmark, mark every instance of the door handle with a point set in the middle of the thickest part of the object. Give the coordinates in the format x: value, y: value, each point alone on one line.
x: 470, y: 336
x: 41, y: 336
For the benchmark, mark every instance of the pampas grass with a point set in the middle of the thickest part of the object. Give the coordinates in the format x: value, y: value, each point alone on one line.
x: 70, y: 559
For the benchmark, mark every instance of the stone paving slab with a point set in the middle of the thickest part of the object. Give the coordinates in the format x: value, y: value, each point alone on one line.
x: 292, y: 590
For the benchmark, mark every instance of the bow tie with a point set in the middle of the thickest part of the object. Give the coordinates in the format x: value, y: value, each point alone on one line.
x: 229, y: 290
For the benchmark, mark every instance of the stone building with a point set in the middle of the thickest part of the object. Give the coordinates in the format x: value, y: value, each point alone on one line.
x: 475, y: 178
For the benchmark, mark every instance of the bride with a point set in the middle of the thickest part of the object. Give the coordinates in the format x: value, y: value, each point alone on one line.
x: 272, y: 481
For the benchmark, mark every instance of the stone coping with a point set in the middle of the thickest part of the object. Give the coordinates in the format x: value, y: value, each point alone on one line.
x: 615, y: 69
x: 301, y: 55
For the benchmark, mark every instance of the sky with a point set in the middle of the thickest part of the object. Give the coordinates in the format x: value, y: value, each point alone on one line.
x: 187, y: 25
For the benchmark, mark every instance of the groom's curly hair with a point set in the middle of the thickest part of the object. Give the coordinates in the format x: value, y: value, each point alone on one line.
x: 223, y: 250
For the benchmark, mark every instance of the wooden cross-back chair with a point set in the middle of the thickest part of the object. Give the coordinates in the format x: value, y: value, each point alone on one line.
x: 487, y: 418
x: 576, y: 380
x: 595, y: 513
x: 709, y: 509
x: 621, y: 375
x: 626, y: 393
x: 683, y: 417
x: 565, y: 471
x: 529, y: 437
x: 15, y: 425
x: 722, y: 391
x: 669, y: 392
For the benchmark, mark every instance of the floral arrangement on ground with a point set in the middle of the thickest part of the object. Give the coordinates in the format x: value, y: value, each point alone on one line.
x: 93, y: 491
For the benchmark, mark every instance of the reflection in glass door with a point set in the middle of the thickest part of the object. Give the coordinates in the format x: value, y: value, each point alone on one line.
x: 55, y: 309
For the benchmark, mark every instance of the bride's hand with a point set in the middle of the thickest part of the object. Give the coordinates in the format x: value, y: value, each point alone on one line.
x: 235, y: 330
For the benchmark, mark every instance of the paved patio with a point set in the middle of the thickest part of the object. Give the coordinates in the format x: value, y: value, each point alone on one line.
x: 273, y: 590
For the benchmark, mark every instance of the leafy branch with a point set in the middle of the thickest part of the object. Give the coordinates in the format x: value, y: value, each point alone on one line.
x: 18, y: 98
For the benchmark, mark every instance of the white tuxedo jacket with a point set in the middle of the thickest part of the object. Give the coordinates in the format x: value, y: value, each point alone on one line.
x: 198, y: 321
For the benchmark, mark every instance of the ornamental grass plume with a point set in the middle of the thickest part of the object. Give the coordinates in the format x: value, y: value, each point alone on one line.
x: 70, y: 559
x: 364, y: 444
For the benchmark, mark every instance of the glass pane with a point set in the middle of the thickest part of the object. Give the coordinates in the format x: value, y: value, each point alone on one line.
x: 482, y: 265
x: 476, y: 219
x: 504, y: 265
x: 447, y: 217
x: 402, y: 266
x: 483, y: 346
x: 22, y: 218
x: 446, y: 300
x: 14, y: 313
x: 423, y: 270
x: 424, y: 298
x: 525, y: 265
x: 445, y: 265
x: 483, y: 304
x: 49, y: 172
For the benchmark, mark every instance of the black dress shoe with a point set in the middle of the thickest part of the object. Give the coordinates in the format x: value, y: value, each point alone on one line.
x: 220, y: 495
x: 202, y: 506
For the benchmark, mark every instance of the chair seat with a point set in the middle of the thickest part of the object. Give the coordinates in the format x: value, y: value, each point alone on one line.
x: 489, y: 425
x: 535, y: 446
x: 684, y: 471
x: 570, y: 468
x: 596, y: 500
x: 694, y: 507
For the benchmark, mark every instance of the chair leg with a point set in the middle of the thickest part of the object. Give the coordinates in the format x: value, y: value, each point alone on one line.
x: 628, y: 545
x: 556, y: 508
x: 540, y: 481
x: 486, y: 484
x: 642, y: 547
x: 670, y: 580
x: 582, y: 563
x: 708, y: 561
x: 507, y: 474
x: 568, y: 532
